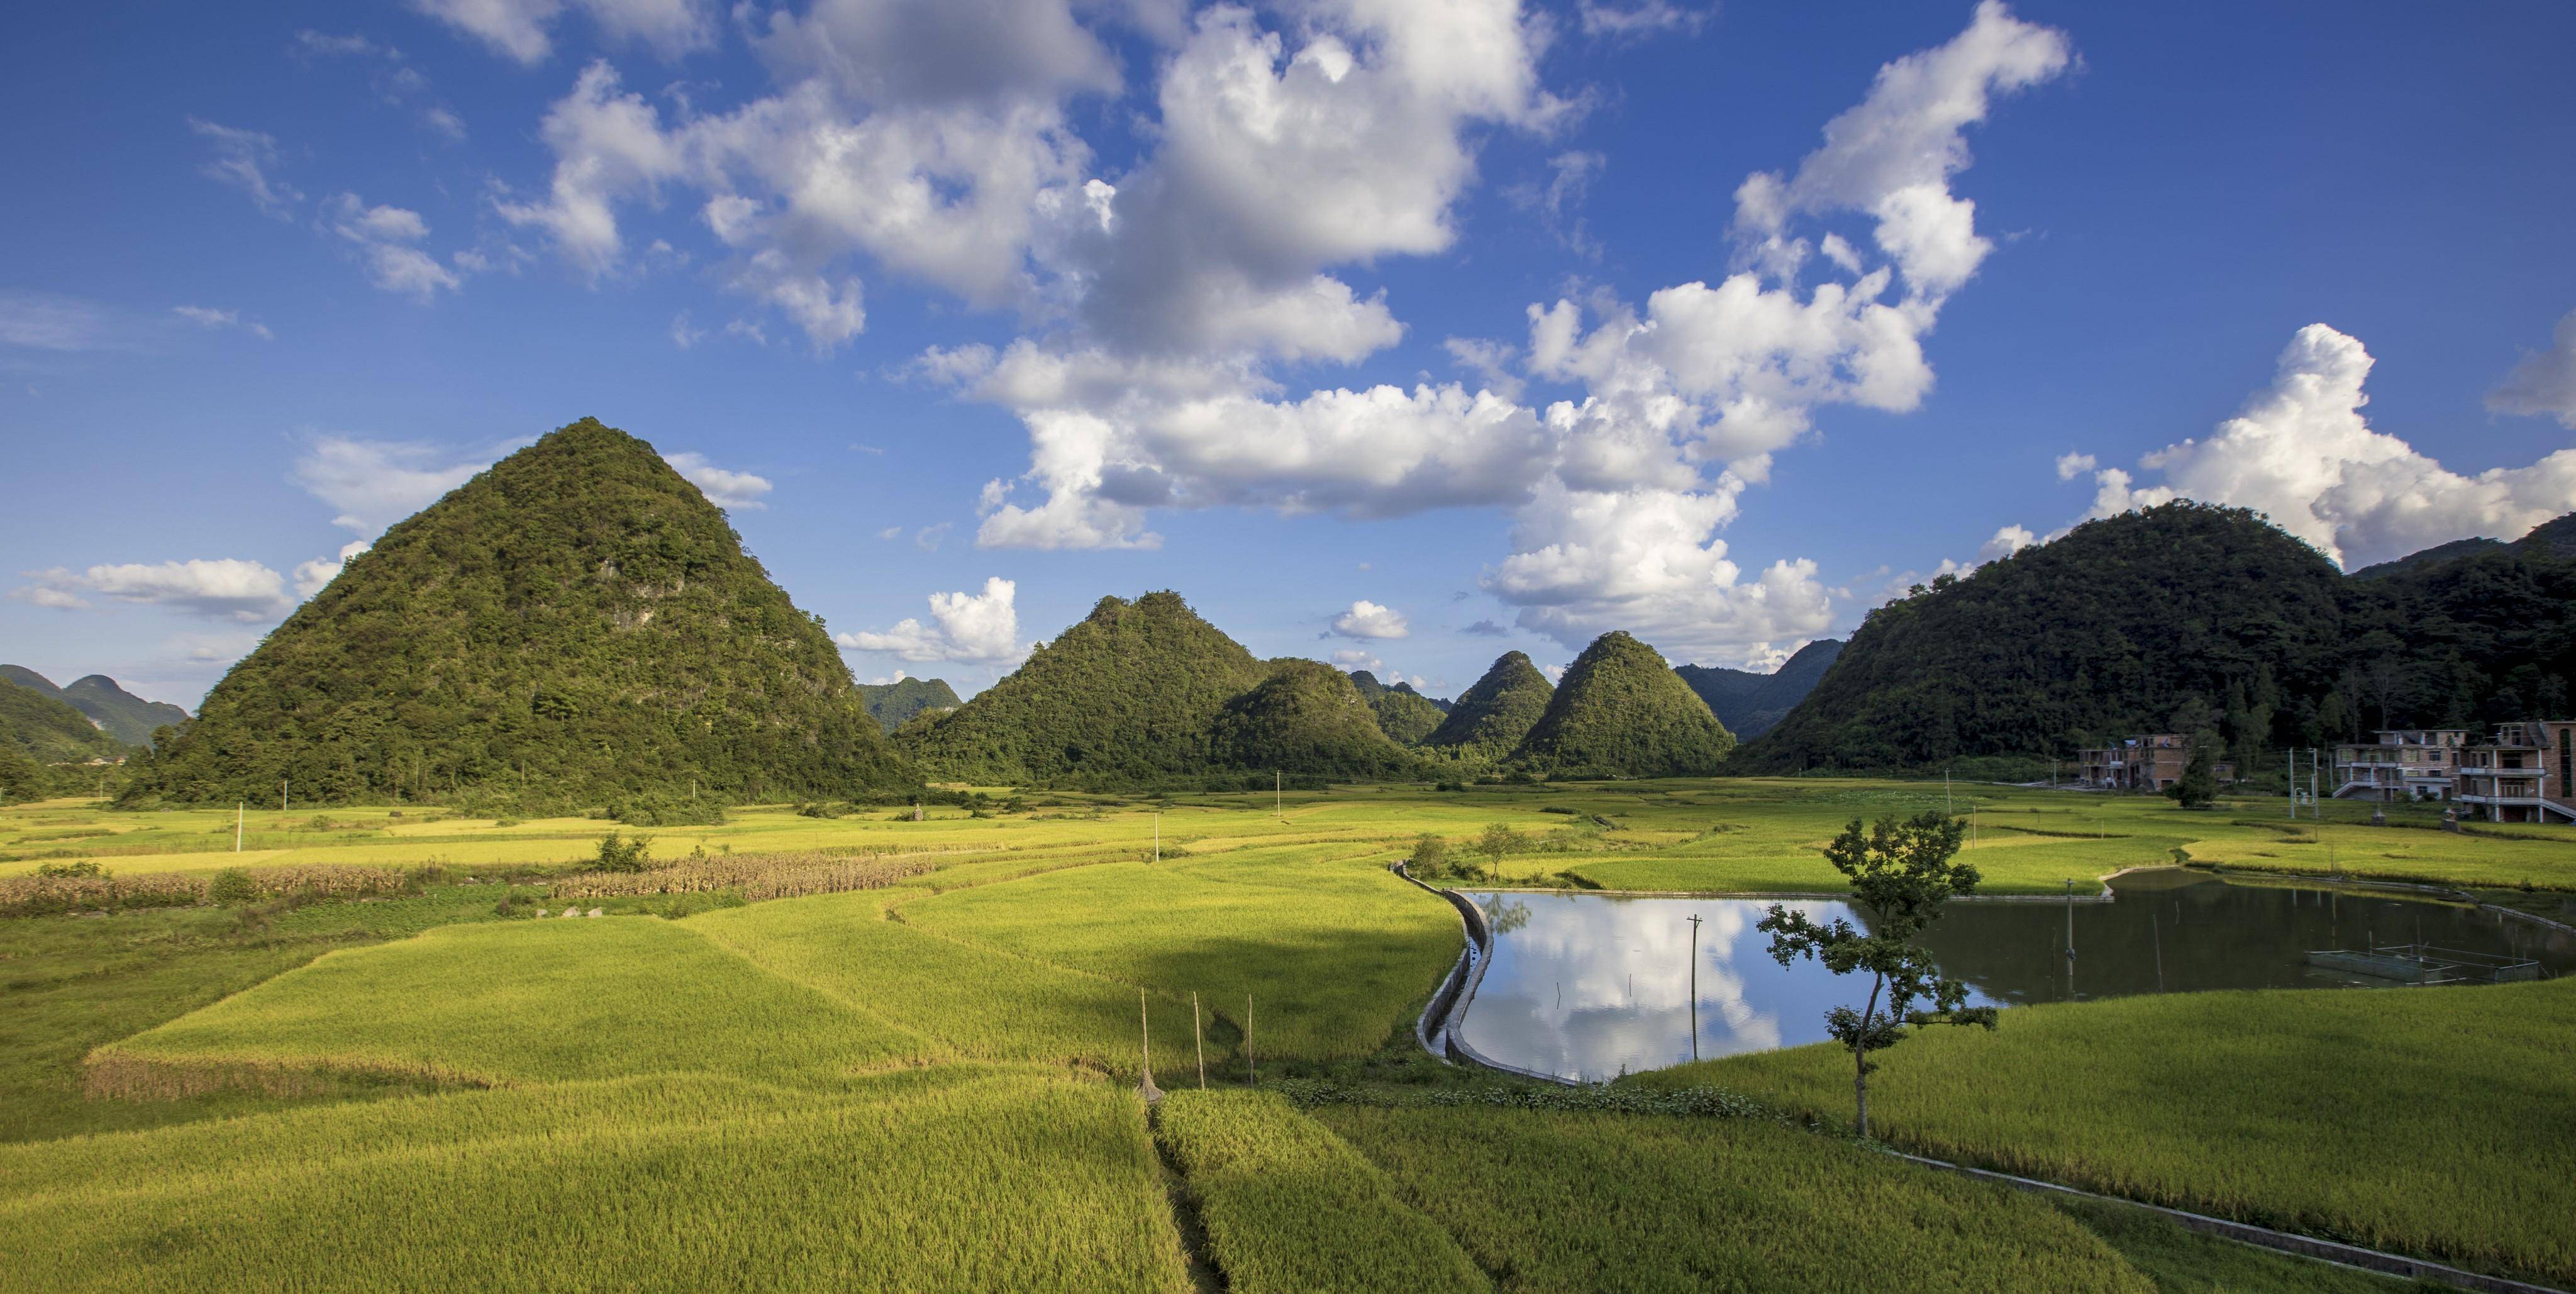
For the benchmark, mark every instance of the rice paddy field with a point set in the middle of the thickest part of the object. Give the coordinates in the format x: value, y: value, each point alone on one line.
x: 870, y: 1052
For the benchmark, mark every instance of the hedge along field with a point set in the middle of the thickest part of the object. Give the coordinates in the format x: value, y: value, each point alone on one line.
x: 1582, y: 1202
x: 511, y: 1002
x: 1289, y: 1208
x: 1331, y: 947
x: 962, y: 1182
x: 977, y: 1001
x: 2433, y: 1121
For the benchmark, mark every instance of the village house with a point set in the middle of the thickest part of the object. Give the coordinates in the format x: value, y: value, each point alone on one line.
x: 2525, y: 773
x: 2147, y: 762
x: 2404, y: 764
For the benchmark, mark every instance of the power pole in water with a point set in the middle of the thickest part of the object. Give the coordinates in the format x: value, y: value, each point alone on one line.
x: 1694, y: 985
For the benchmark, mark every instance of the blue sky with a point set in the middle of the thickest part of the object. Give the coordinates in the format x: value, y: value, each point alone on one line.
x: 1385, y: 332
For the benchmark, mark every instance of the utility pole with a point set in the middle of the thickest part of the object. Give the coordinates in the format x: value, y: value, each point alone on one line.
x: 281, y: 795
x: 1946, y: 810
x: 1279, y: 792
x: 2070, y: 938
x: 1199, y: 1038
x: 2292, y: 754
x: 1694, y: 985
x: 1158, y: 857
x: 237, y: 827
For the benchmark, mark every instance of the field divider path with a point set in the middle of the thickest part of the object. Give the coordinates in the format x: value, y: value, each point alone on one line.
x: 2375, y: 1261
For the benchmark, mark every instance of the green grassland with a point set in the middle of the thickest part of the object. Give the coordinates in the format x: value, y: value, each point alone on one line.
x: 2435, y: 1121
x: 427, y: 1088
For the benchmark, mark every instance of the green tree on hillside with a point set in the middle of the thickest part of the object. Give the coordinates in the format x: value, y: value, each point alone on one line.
x: 1901, y: 873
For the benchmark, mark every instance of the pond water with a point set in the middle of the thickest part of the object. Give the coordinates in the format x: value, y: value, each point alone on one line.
x: 1594, y: 985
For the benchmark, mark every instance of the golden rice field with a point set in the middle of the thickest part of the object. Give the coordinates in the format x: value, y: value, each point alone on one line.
x: 868, y: 1052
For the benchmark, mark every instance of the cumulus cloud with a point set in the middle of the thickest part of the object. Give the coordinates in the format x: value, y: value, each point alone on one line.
x: 2301, y: 452
x: 1353, y: 658
x: 243, y: 159
x: 1367, y: 619
x: 375, y: 483
x: 2007, y: 541
x: 224, y: 588
x: 47, y: 595
x: 1486, y: 629
x: 723, y: 488
x: 2544, y: 383
x: 313, y: 576
x: 208, y: 317
x: 523, y: 29
x: 387, y: 241
x: 2070, y: 466
x: 965, y: 627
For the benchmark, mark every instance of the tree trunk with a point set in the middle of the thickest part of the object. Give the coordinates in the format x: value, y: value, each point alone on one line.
x: 1860, y: 1089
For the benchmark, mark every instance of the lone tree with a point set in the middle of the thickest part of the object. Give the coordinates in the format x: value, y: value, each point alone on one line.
x: 1901, y: 873
x: 2198, y: 784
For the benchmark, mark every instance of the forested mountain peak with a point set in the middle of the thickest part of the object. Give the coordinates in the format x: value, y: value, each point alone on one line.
x: 1125, y: 695
x: 2187, y: 617
x: 1306, y: 718
x: 576, y: 624
x: 1403, y: 714
x: 1492, y: 716
x: 1622, y: 712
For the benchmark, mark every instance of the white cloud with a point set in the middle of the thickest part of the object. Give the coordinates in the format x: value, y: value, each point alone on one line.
x: 2007, y: 541
x: 682, y: 335
x: 723, y: 488
x: 208, y: 317
x: 313, y: 576
x: 242, y: 159
x: 2070, y: 466
x: 2301, y: 452
x: 375, y: 483
x: 2545, y: 381
x: 1559, y: 203
x: 49, y: 321
x: 965, y: 627
x: 1638, y: 20
x: 522, y: 29
x: 46, y: 595
x: 385, y: 237
x: 223, y: 588
x: 1354, y: 658
x: 1367, y: 619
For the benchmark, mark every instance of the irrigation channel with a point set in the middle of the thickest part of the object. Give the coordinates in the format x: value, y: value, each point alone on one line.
x: 1590, y: 986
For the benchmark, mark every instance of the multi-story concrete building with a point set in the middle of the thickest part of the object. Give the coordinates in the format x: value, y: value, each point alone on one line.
x: 2147, y: 762
x: 2526, y: 773
x: 2404, y: 764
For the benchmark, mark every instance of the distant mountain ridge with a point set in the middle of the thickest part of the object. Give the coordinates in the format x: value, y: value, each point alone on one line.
x: 894, y: 704
x: 1751, y: 704
x: 2191, y: 617
x: 117, y: 712
x: 47, y: 730
x: 1403, y: 714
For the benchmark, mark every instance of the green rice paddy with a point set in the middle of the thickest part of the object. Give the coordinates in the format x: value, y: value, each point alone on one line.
x: 932, y: 1085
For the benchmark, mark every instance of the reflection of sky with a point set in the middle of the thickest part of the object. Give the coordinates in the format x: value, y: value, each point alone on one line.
x: 1592, y: 986
x: 1595, y: 985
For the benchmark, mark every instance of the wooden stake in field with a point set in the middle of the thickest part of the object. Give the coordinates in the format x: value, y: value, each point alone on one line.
x: 1199, y: 1037
x: 1152, y: 1093
x: 1251, y: 1064
x: 1279, y: 794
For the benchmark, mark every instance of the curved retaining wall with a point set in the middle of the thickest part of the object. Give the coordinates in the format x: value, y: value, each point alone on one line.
x: 1437, y: 1030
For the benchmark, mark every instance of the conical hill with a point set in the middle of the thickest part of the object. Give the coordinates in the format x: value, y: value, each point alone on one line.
x: 576, y: 625
x: 1492, y: 717
x: 1623, y: 712
x: 1307, y: 719
x: 1404, y: 715
x: 1124, y: 697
